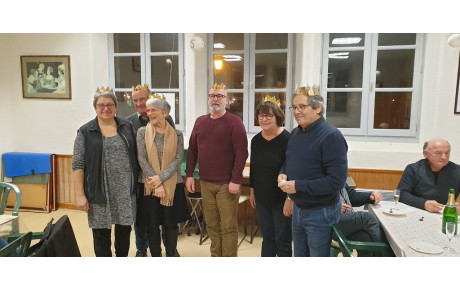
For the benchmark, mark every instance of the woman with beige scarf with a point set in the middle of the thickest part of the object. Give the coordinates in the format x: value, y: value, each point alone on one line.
x: 160, y: 153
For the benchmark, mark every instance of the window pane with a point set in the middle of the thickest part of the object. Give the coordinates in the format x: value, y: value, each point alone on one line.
x: 346, y: 39
x: 126, y: 42
x: 270, y: 70
x: 236, y: 106
x: 345, y: 69
x: 232, y: 71
x: 228, y: 41
x: 163, y: 42
x: 127, y: 71
x: 165, y: 72
x: 271, y: 41
x: 124, y: 110
x: 392, y: 110
x: 395, y: 68
x: 344, y: 109
x: 397, y: 38
x: 259, y: 96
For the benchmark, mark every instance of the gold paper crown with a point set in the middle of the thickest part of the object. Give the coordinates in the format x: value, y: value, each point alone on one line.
x: 104, y: 90
x: 272, y: 99
x: 157, y: 96
x: 140, y: 87
x: 312, y: 91
x: 218, y: 87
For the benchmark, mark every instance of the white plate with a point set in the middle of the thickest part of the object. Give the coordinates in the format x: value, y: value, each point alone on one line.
x: 392, y: 211
x: 425, y: 247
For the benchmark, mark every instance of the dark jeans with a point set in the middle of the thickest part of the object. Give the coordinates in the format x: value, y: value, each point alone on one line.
x: 103, y: 240
x: 361, y: 226
x: 276, y: 231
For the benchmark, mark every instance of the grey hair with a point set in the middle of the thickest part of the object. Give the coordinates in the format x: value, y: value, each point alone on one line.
x: 315, y: 101
x: 110, y: 95
x: 425, y: 145
x: 160, y: 103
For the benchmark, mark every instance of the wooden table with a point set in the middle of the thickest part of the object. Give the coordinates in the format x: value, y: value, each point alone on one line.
x: 415, y: 225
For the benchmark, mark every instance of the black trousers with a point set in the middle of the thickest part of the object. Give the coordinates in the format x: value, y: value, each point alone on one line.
x: 169, y: 239
x: 103, y: 240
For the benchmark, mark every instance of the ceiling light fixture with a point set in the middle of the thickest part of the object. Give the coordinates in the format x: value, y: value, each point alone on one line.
x: 347, y: 40
x: 219, y: 45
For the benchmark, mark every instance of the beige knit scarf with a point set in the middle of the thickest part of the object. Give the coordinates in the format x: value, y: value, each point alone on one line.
x: 169, y: 154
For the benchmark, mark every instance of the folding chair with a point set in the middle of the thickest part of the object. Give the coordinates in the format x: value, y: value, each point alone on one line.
x: 195, y: 201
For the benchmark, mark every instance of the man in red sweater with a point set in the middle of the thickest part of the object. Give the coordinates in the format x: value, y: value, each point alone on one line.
x: 219, y: 144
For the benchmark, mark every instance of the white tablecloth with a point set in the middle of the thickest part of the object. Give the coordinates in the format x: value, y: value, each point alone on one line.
x: 402, y: 230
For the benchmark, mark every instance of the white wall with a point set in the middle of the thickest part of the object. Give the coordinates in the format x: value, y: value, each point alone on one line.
x: 50, y: 125
x: 43, y: 125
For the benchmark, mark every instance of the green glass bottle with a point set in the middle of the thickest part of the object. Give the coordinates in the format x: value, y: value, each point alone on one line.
x: 450, y: 212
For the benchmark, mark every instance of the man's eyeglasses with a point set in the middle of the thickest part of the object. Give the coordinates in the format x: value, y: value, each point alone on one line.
x: 301, y: 107
x: 266, y: 116
x: 218, y: 96
x: 101, y: 106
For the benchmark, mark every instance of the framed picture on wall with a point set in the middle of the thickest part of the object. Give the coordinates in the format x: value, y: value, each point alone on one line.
x: 457, y: 92
x: 46, y: 77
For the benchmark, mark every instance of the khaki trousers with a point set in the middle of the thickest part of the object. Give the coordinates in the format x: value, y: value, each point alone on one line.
x: 220, y: 209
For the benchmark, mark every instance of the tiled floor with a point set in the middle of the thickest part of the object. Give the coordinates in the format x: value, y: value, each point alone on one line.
x: 188, y: 246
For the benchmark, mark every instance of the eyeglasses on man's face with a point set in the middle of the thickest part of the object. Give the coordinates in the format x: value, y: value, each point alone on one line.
x: 300, y: 107
x: 218, y: 96
x: 102, y: 106
x: 266, y: 116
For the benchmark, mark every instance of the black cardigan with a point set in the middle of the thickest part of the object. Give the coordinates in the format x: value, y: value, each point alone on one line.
x: 93, y: 176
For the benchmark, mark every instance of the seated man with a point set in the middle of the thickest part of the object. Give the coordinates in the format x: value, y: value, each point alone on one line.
x: 360, y: 225
x: 426, y: 183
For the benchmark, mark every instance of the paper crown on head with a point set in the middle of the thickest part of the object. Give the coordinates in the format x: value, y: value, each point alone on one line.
x: 140, y: 87
x: 272, y: 99
x: 157, y: 96
x: 104, y: 90
x: 307, y: 91
x: 218, y: 87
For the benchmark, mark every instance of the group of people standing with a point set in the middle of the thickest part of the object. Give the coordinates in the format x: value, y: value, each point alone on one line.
x: 127, y: 172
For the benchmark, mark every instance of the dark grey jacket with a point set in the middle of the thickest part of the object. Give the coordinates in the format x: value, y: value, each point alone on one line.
x: 418, y: 183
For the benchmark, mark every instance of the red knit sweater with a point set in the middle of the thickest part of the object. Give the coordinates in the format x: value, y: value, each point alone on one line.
x: 221, y: 148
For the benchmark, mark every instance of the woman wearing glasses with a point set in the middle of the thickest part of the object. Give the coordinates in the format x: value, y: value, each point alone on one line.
x: 105, y: 172
x: 273, y: 207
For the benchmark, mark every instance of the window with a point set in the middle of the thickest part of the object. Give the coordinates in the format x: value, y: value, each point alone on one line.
x: 372, y: 83
x: 152, y: 58
x: 253, y: 66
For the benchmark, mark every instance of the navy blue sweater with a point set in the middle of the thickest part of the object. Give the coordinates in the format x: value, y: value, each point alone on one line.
x: 316, y: 158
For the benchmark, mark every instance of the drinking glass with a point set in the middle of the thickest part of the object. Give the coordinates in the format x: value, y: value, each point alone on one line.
x: 396, y: 197
x: 450, y: 230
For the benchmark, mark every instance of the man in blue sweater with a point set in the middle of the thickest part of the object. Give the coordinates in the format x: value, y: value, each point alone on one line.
x: 313, y: 174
